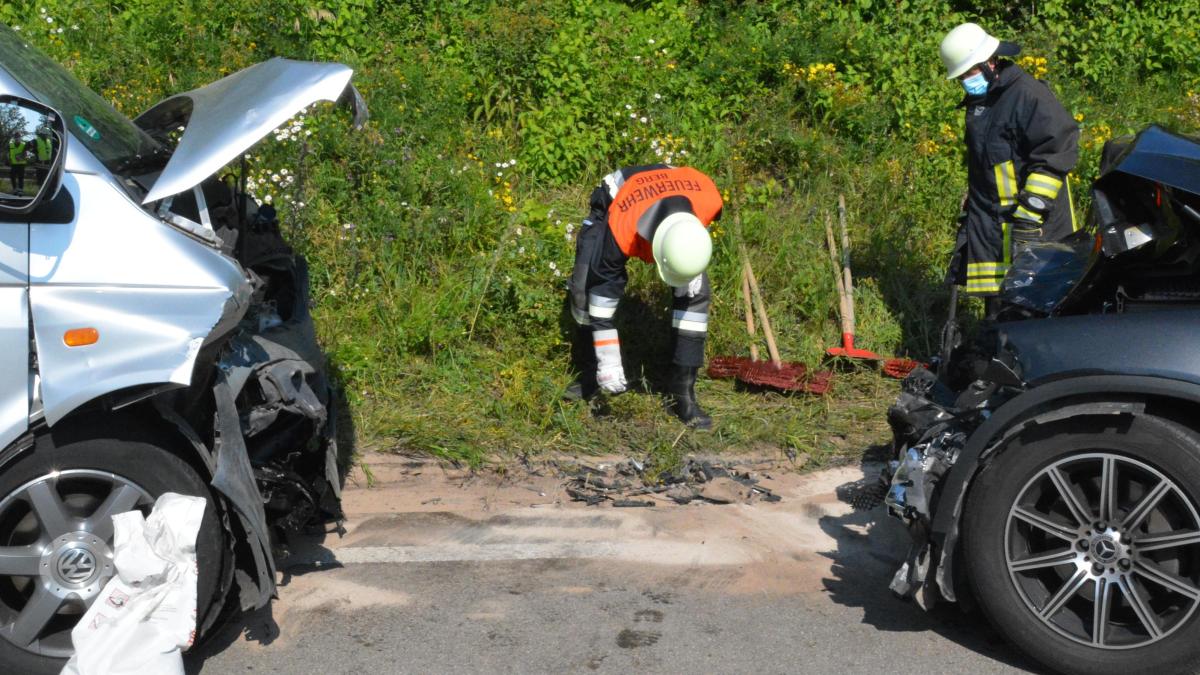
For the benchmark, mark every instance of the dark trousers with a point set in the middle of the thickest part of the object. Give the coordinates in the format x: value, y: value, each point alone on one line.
x: 16, y: 174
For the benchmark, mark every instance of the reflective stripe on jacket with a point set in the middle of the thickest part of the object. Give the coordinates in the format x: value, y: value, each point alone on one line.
x: 1021, y: 144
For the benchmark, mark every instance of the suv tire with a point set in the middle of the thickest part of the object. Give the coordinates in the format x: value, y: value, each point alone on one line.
x: 1084, y: 578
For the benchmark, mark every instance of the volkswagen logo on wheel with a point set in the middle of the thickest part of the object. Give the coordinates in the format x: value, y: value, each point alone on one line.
x: 76, y: 565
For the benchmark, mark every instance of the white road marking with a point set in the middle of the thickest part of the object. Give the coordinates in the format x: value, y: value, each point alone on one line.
x: 669, y: 552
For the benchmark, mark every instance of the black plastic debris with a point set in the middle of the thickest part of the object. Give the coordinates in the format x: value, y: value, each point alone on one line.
x: 700, y: 480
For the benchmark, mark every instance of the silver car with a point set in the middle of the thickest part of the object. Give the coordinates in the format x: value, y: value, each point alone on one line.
x: 154, y: 336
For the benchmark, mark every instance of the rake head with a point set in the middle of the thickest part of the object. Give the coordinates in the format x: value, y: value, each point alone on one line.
x: 788, y: 377
x: 848, y: 350
x: 900, y: 368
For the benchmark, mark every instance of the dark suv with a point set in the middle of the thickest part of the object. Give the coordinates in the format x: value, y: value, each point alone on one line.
x: 1050, y: 467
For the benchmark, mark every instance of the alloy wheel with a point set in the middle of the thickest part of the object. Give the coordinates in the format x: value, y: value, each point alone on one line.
x: 56, y: 554
x: 1105, y: 550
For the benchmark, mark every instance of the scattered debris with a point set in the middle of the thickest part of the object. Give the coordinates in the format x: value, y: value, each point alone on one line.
x: 864, y: 494
x: 725, y: 490
x: 695, y: 480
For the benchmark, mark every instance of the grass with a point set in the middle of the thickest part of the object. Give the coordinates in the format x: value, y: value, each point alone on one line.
x: 438, y: 237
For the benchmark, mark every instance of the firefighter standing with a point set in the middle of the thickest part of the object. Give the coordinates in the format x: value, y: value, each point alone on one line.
x: 1021, y: 144
x: 16, y: 164
x: 44, y: 151
x: 659, y: 214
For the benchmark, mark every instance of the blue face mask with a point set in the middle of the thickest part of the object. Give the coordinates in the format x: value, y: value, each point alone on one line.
x: 976, y: 85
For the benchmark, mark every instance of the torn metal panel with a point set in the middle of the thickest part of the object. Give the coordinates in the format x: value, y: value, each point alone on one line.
x: 153, y: 296
x: 225, y: 118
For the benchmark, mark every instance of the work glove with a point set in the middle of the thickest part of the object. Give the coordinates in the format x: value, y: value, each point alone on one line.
x: 1025, y: 232
x: 1027, y: 218
x: 611, y: 379
x: 610, y: 374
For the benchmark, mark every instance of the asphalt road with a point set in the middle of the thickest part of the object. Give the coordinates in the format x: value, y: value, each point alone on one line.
x: 441, y: 574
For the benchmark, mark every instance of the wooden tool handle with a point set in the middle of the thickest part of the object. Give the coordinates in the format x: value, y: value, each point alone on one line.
x: 848, y: 281
x: 749, y: 313
x: 762, y: 313
x: 837, y: 273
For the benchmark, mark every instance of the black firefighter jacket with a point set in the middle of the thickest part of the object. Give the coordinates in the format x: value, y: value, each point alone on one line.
x: 1021, y: 144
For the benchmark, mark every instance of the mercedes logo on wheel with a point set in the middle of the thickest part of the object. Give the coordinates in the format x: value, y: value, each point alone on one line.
x: 76, y: 565
x: 1106, y: 549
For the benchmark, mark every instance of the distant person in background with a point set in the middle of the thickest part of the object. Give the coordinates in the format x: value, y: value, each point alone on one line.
x: 659, y: 214
x: 44, y: 152
x: 1021, y: 144
x: 17, y: 160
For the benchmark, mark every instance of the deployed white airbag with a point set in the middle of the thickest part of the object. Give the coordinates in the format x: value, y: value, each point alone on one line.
x: 146, y: 614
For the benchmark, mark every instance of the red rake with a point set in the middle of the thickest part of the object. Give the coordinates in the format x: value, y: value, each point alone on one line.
x: 845, y: 287
x: 789, y: 376
x: 900, y: 368
x: 897, y: 368
x: 774, y: 374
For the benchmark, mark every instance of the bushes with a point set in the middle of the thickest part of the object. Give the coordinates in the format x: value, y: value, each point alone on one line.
x: 441, y: 236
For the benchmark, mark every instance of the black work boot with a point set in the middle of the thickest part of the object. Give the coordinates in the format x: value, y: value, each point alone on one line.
x: 583, y: 360
x: 584, y: 388
x: 682, y: 402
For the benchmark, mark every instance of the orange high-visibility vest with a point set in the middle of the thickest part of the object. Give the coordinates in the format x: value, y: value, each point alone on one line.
x: 642, y: 190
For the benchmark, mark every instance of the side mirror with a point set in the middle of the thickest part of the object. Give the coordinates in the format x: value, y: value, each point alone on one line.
x: 33, y: 142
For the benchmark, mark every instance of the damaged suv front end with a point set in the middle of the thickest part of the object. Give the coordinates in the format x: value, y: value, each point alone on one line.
x: 1050, y: 469
x: 932, y: 425
x: 156, y: 337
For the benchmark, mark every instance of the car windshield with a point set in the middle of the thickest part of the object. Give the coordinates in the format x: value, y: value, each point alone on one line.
x: 112, y: 137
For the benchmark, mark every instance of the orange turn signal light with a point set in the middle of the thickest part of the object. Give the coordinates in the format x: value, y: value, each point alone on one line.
x: 81, y: 337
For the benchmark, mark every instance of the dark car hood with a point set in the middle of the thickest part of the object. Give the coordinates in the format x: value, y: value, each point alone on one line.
x: 1157, y: 155
x: 1157, y: 343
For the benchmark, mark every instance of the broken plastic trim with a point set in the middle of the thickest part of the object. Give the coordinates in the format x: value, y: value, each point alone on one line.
x: 234, y: 478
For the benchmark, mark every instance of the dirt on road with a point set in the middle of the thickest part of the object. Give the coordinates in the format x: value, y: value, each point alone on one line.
x: 448, y: 558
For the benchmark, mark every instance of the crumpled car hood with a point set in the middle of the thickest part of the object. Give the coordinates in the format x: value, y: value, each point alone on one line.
x: 223, y: 119
x: 1155, y: 154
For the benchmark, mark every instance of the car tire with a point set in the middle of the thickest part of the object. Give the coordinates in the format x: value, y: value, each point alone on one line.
x: 1038, y: 570
x: 76, y: 472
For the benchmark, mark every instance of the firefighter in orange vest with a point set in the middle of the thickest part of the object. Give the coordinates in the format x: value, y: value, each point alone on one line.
x: 659, y: 214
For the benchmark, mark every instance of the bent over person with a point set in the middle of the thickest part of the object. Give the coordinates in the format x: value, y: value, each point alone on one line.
x: 1021, y: 144
x: 658, y: 214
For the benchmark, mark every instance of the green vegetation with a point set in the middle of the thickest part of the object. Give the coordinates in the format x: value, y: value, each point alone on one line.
x: 441, y: 236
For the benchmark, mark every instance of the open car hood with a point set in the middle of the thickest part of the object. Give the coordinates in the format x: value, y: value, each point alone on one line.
x: 223, y: 119
x: 1158, y: 155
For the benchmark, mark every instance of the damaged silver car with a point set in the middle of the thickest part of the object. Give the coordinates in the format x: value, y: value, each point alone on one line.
x: 155, y: 337
x: 1049, y: 468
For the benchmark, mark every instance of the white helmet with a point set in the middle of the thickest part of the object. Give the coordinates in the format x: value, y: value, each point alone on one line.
x: 968, y: 45
x: 681, y: 248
